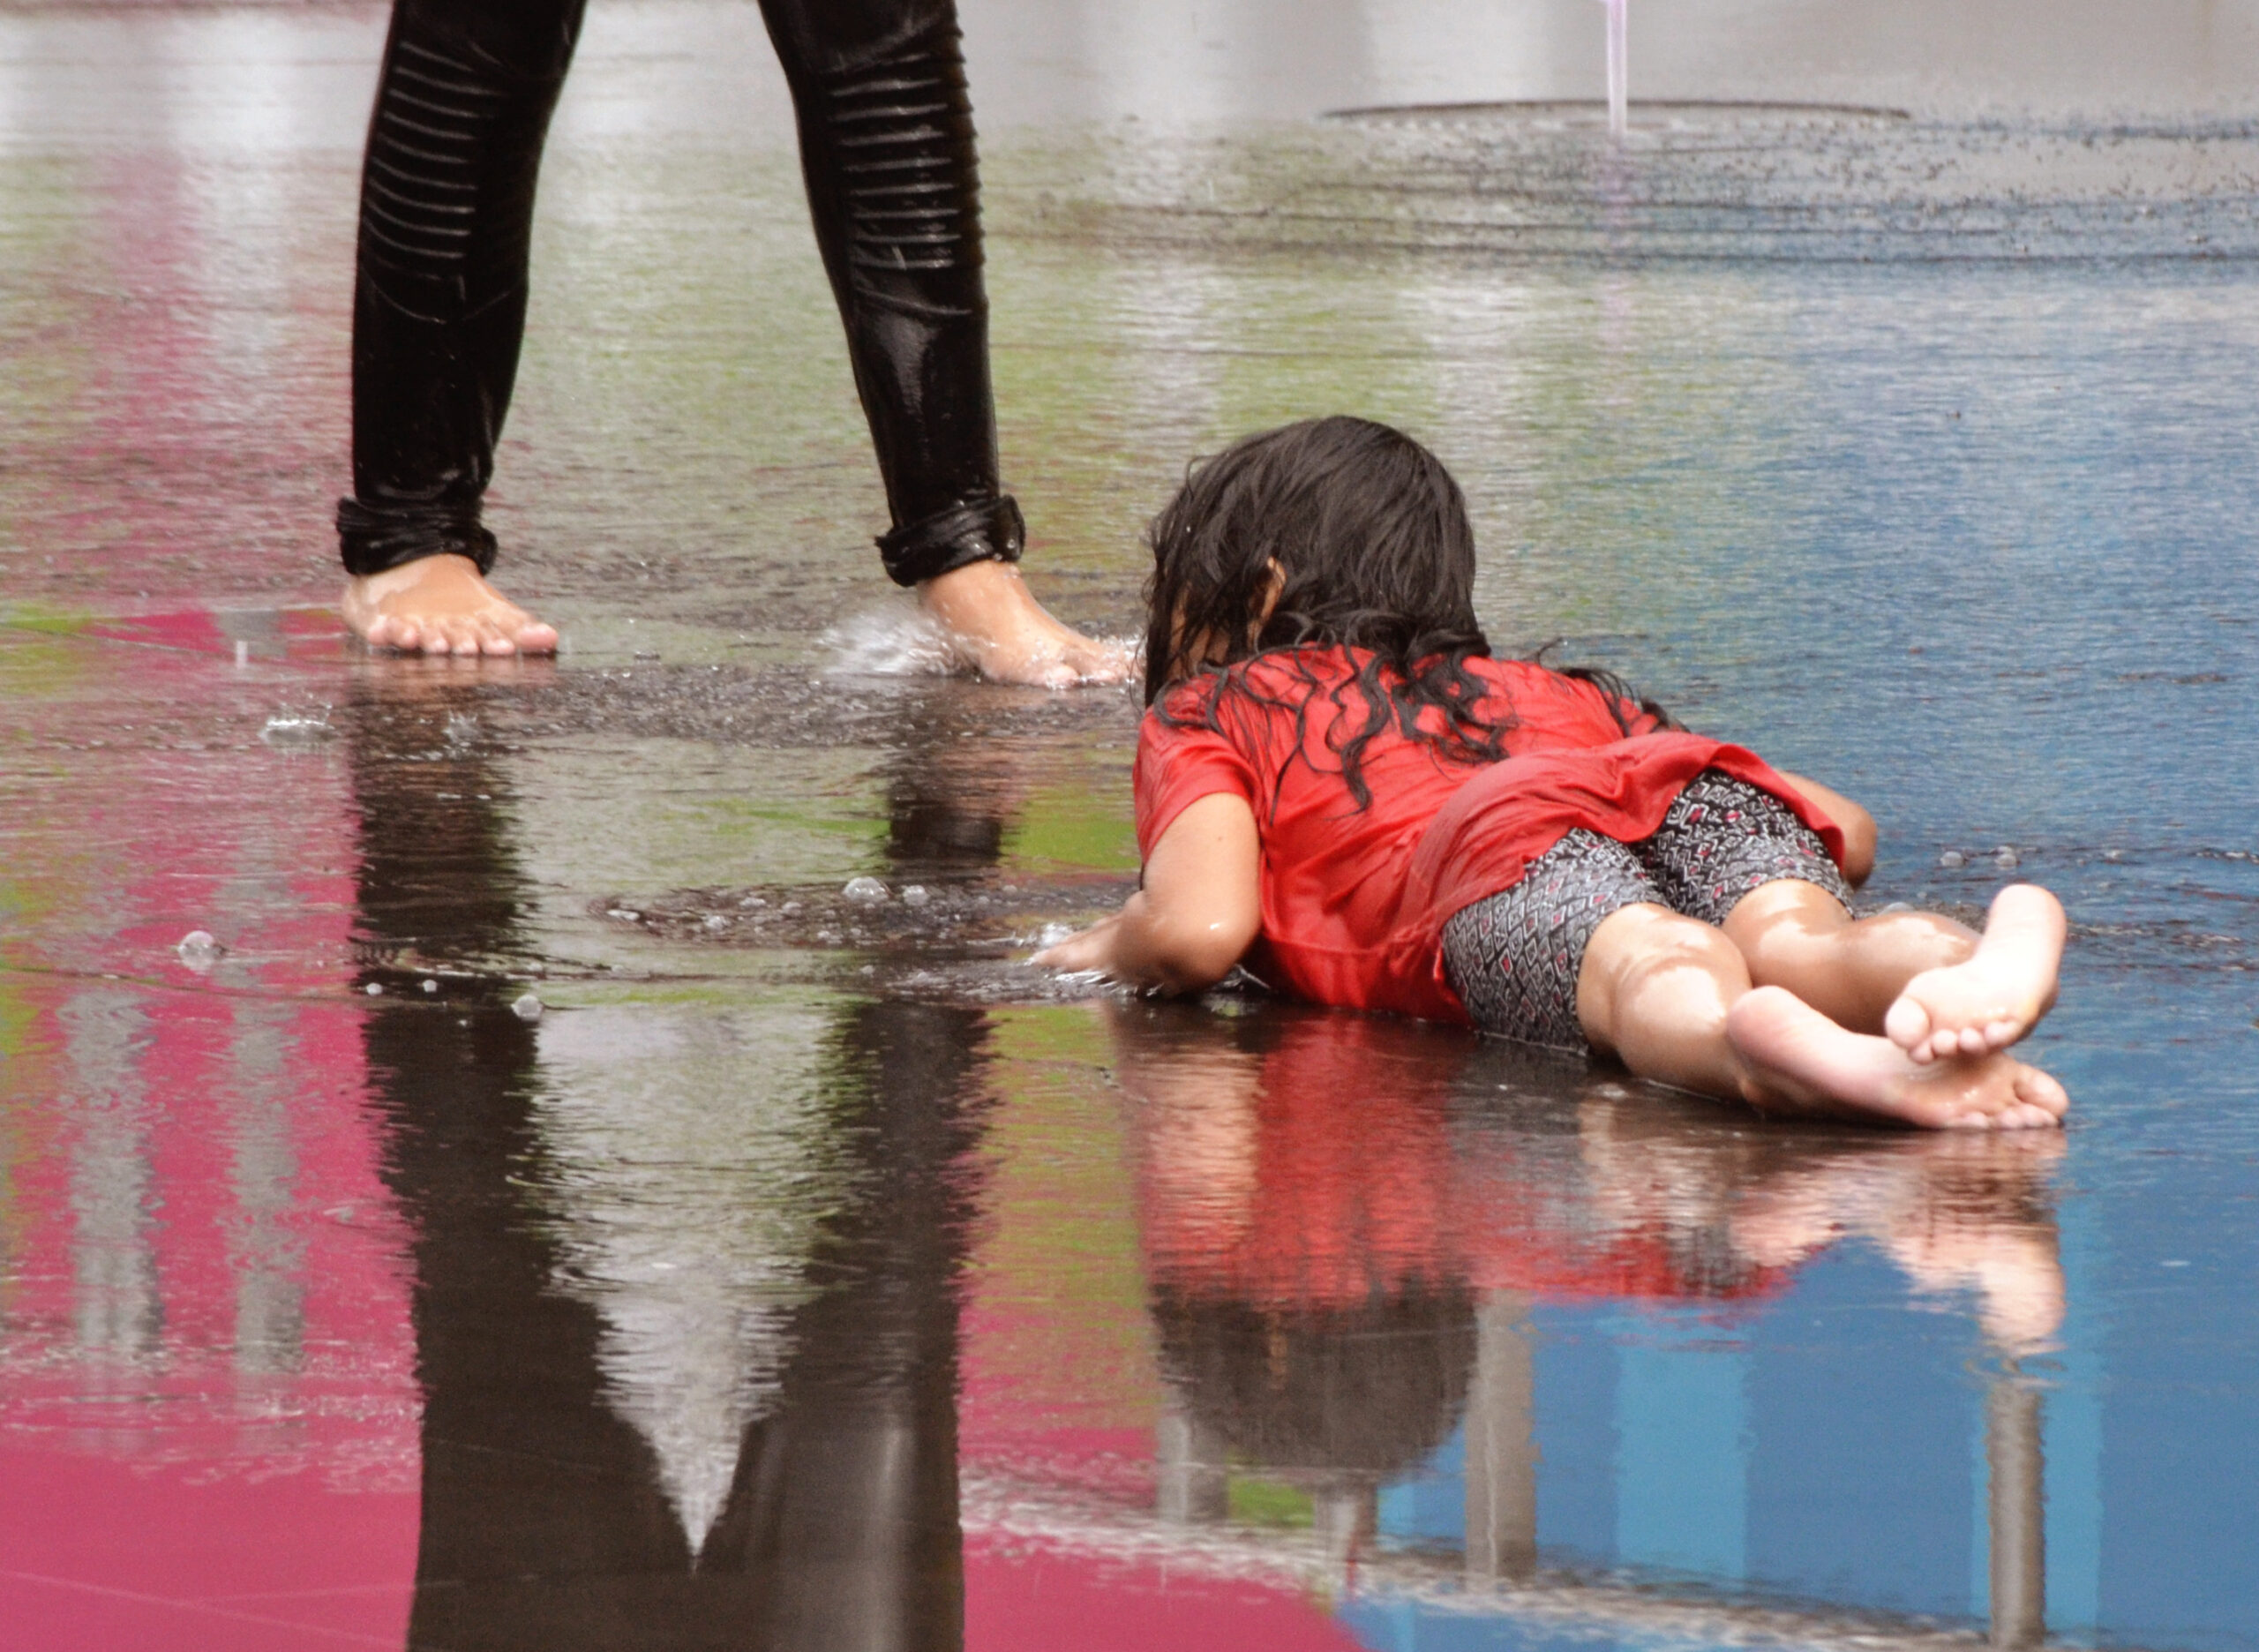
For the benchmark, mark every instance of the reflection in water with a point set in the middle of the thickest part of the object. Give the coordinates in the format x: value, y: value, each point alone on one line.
x: 685, y: 1284
x: 1348, y: 1222
x: 687, y: 1301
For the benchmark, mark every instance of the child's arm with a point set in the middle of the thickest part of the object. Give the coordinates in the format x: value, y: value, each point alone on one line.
x: 1199, y: 911
x: 1857, y: 825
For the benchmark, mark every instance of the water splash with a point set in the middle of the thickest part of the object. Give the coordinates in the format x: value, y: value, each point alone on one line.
x: 896, y: 640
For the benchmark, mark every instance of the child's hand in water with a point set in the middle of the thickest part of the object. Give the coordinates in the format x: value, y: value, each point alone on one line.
x: 1090, y: 949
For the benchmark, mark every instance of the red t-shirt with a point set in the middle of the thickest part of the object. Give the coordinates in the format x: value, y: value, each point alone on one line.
x: 1355, y: 900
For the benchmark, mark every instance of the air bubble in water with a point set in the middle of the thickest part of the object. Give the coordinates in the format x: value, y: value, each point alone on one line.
x: 916, y: 895
x: 1953, y: 858
x: 528, y: 1008
x: 198, y: 949
x: 864, y: 889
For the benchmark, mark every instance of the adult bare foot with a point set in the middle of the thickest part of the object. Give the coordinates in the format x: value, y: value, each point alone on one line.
x: 1995, y: 996
x: 1797, y: 1057
x: 440, y: 604
x: 1005, y: 635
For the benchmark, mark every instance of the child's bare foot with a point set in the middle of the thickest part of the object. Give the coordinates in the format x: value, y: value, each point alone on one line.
x: 1797, y: 1057
x: 442, y: 606
x: 1006, y: 636
x: 1996, y: 995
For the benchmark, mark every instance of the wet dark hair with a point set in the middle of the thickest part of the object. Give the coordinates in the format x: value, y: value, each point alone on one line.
x: 1371, y: 535
x: 1368, y: 1387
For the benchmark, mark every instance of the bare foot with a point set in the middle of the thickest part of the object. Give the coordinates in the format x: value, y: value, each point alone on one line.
x: 1797, y: 1057
x: 440, y: 605
x: 994, y: 620
x: 1995, y: 996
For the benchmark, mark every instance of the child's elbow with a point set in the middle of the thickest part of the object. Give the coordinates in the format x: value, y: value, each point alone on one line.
x: 1192, y: 957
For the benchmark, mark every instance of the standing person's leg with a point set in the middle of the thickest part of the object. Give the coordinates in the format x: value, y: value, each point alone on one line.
x: 439, y: 302
x: 887, y: 148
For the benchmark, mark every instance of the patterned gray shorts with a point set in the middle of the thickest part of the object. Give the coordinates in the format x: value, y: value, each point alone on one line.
x: 1513, y: 957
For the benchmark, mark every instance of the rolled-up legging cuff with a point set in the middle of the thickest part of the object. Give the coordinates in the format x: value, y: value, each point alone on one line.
x: 372, y: 540
x: 982, y: 531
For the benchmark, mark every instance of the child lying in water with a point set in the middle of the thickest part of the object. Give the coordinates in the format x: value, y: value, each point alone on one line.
x: 1339, y: 785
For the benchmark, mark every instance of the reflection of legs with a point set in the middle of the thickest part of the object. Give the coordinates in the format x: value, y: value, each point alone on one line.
x: 845, y: 1506
x: 446, y: 214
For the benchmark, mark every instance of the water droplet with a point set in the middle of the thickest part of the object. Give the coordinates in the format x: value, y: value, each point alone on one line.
x: 296, y: 728
x: 916, y: 895
x: 864, y: 889
x: 528, y: 1008
x: 1953, y: 858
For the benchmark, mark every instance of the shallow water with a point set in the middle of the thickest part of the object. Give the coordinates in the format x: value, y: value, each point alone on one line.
x: 803, y: 1270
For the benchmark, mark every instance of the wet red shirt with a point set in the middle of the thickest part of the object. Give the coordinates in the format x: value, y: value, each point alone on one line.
x: 1355, y: 900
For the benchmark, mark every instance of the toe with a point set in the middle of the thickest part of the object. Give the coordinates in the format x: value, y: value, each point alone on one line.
x: 534, y: 637
x: 1908, y: 1025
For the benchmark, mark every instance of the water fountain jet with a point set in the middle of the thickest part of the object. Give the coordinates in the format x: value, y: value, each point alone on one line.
x: 1619, y: 93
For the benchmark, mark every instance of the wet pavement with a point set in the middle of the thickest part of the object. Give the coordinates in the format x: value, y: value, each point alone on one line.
x: 562, y: 1208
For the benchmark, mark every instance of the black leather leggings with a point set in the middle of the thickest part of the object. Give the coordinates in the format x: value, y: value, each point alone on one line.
x: 447, y: 213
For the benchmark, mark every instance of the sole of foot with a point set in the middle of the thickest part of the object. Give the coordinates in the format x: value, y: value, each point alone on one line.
x: 1994, y: 996
x: 1798, y: 1059
x: 440, y: 604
